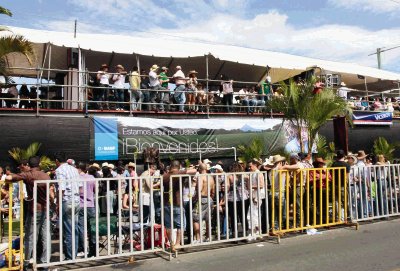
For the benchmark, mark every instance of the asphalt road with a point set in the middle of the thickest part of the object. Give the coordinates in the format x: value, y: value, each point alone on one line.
x: 373, y: 247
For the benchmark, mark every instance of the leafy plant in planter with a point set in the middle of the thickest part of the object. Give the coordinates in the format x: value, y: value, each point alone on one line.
x: 383, y: 147
x: 18, y: 155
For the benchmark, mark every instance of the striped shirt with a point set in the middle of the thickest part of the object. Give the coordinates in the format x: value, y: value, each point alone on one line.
x: 71, y: 187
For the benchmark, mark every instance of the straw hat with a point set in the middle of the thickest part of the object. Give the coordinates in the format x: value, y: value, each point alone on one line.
x: 206, y: 161
x: 105, y: 164
x: 361, y: 154
x: 343, y: 84
x: 352, y: 156
x: 192, y: 72
x: 131, y: 164
x: 267, y: 162
x: 120, y: 67
x: 278, y: 158
x: 218, y: 167
x: 164, y: 68
x: 154, y: 67
x: 111, y: 166
x: 104, y: 66
x: 178, y: 67
x: 95, y: 165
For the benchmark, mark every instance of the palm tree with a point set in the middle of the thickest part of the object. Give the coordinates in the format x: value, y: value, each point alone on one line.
x: 304, y: 109
x: 252, y: 150
x: 383, y: 147
x: 18, y: 155
x: 12, y: 44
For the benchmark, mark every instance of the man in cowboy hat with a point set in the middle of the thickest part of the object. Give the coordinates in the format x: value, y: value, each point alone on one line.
x: 342, y: 91
x: 119, y: 85
x: 136, y: 93
x: 363, y: 180
x: 179, y: 94
x: 155, y: 86
x: 101, y: 93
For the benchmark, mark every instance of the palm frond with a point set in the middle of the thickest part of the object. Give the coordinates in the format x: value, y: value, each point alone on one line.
x: 16, y: 154
x: 46, y: 163
x: 33, y: 149
x: 253, y: 150
x: 5, y: 11
x: 16, y: 44
x: 383, y: 147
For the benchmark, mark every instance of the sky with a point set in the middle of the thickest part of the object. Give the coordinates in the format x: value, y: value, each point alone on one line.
x: 338, y: 30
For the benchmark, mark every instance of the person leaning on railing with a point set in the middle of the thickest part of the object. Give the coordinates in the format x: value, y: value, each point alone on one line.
x: 29, y: 178
x: 278, y: 184
x: 179, y: 92
x: 101, y: 93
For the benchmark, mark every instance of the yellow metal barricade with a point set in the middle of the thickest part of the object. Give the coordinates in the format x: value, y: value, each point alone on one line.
x: 308, y: 198
x: 10, y: 257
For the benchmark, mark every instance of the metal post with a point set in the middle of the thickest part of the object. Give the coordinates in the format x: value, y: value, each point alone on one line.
x: 48, y: 76
x: 366, y: 87
x: 207, y: 87
x: 378, y: 55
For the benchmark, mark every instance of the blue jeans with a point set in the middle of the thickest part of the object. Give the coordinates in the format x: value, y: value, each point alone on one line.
x: 67, y: 208
x: 246, y: 103
x: 180, y: 97
x: 119, y: 97
x: 41, y: 238
x: 90, y: 213
x: 136, y: 99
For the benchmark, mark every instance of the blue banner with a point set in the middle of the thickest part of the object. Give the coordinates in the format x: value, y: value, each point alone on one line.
x: 372, y: 118
x: 105, y: 139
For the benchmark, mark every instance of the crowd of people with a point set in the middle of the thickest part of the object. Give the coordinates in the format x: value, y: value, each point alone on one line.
x: 237, y: 195
x: 157, y: 90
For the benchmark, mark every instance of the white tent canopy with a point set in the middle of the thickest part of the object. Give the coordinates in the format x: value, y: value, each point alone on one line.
x: 105, y: 47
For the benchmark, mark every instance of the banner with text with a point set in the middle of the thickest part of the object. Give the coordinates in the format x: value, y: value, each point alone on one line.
x: 184, y: 138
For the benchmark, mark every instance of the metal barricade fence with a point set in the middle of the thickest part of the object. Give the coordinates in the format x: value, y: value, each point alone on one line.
x: 374, y: 192
x: 308, y: 198
x: 93, y: 219
x: 12, y: 210
x: 215, y: 208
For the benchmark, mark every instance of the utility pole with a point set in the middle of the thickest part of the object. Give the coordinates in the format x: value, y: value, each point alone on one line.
x: 76, y: 23
x: 378, y: 54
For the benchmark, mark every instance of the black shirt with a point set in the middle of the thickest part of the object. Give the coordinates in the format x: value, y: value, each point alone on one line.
x: 340, y: 174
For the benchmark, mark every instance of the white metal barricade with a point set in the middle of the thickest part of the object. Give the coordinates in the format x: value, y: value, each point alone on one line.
x: 94, y: 219
x: 374, y: 192
x: 215, y: 208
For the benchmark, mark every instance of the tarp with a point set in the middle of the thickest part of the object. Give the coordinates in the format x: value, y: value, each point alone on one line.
x: 282, y: 65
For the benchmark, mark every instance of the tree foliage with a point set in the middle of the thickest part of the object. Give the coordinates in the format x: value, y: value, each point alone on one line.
x: 10, y: 43
x: 383, y: 147
x: 19, y: 154
x: 303, y: 108
x: 252, y: 150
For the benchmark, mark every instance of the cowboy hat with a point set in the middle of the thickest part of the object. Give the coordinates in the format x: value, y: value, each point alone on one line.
x: 267, y: 162
x: 277, y: 158
x: 105, y: 164
x: 111, y: 166
x: 178, y: 68
x: 206, y: 161
x: 192, y: 72
x: 95, y: 165
x: 218, y: 167
x: 131, y: 164
x: 120, y: 67
x: 164, y: 68
x: 255, y: 161
x: 352, y: 156
x: 154, y: 67
x: 361, y: 154
x: 343, y: 84
x: 104, y: 66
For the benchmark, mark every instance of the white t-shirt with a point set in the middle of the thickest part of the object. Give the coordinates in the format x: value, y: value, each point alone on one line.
x: 179, y: 77
x: 119, y: 80
x: 153, y: 79
x: 342, y: 92
x: 104, y: 78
